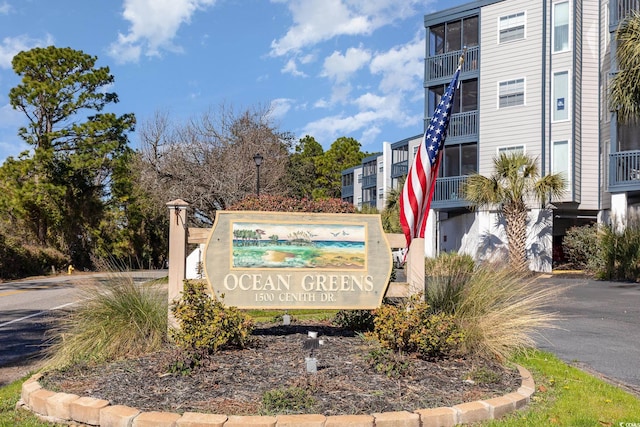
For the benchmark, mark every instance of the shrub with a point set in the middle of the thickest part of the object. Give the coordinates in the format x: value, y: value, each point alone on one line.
x: 18, y: 260
x: 581, y: 246
x: 116, y: 320
x: 501, y: 310
x: 355, y: 320
x: 291, y: 400
x: 292, y: 204
x: 387, y: 362
x: 446, y: 277
x: 620, y: 251
x: 206, y: 324
x: 413, y: 327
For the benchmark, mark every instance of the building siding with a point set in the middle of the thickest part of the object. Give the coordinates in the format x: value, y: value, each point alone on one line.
x: 517, y: 125
x: 590, y: 110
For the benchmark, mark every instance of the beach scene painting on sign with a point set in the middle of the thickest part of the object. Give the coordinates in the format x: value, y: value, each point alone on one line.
x: 293, y: 245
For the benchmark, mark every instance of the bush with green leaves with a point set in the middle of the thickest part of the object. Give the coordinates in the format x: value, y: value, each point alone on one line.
x: 290, y: 400
x: 271, y: 203
x: 445, y: 279
x: 354, y: 320
x: 390, y: 363
x: 18, y: 260
x: 116, y: 319
x: 206, y: 324
x: 620, y: 251
x: 413, y: 327
x: 581, y: 246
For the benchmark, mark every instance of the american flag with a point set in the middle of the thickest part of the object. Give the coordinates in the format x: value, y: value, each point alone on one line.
x: 421, y: 180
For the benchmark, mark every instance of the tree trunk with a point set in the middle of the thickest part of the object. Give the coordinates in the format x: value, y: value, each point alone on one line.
x: 516, y: 218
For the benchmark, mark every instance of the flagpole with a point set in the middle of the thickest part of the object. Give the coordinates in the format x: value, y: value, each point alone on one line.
x: 419, y: 188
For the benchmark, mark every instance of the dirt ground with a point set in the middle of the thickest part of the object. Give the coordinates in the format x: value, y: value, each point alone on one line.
x: 271, y: 377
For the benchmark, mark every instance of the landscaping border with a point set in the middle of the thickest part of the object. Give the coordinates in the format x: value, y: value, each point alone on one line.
x: 73, y: 409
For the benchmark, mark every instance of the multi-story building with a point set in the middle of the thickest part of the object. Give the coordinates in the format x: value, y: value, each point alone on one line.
x: 534, y: 79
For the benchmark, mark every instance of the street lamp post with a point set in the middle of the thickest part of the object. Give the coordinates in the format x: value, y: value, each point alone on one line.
x: 258, y: 160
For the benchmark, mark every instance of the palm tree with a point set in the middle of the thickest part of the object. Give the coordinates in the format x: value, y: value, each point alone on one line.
x: 515, y: 182
x: 391, y: 214
x: 625, y: 86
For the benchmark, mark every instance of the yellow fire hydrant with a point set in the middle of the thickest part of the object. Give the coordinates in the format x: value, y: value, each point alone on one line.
x: 70, y: 269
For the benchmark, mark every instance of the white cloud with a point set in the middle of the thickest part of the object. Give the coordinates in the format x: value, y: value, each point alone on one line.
x: 401, y: 67
x: 340, y: 94
x: 340, y: 67
x: 280, y: 107
x: 154, y: 24
x: 315, y: 21
x: 5, y: 8
x: 371, y: 113
x: 292, y: 68
x: 10, y: 46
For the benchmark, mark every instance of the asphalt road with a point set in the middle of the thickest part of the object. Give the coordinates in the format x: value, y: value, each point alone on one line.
x: 28, y: 308
x: 600, y: 330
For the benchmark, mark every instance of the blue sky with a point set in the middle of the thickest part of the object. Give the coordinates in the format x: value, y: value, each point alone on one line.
x: 327, y: 68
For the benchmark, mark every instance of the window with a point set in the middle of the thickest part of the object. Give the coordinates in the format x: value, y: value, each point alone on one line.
x: 459, y: 159
x: 380, y: 193
x: 511, y: 93
x: 511, y: 149
x: 347, y: 179
x: 381, y: 168
x: 561, y: 95
x: 628, y: 136
x: 466, y: 98
x: 511, y: 27
x: 561, y: 27
x: 560, y: 158
x: 359, y: 178
x: 452, y: 36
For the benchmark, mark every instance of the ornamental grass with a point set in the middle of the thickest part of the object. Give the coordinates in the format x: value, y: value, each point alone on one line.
x: 499, y: 310
x: 113, y: 320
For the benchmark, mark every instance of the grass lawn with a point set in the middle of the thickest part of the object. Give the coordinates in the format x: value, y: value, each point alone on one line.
x: 9, y: 417
x: 565, y: 396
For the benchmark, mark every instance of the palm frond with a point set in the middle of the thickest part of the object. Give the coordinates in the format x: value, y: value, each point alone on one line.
x: 624, y: 96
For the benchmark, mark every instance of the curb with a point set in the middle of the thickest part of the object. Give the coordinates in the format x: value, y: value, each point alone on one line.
x: 73, y: 409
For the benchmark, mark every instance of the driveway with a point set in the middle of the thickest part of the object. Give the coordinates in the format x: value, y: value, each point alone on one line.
x: 600, y: 330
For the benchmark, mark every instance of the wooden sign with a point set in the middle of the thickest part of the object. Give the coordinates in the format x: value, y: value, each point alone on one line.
x: 298, y: 260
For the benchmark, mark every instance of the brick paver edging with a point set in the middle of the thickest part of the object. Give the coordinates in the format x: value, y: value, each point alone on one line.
x: 73, y: 409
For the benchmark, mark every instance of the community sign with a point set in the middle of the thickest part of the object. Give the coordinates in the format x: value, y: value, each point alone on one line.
x: 298, y: 260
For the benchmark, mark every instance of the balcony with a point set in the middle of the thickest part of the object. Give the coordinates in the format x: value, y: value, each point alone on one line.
x: 347, y: 191
x: 399, y: 169
x: 443, y: 66
x: 619, y: 9
x: 369, y: 181
x: 463, y: 127
x: 447, y: 193
x: 624, y: 171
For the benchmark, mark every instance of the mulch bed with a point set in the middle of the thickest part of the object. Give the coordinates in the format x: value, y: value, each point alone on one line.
x: 233, y: 382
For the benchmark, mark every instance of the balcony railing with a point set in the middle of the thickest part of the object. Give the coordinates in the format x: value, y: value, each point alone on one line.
x: 447, y: 192
x: 399, y: 169
x: 441, y: 66
x: 619, y: 9
x: 462, y: 125
x: 624, y: 170
x: 369, y: 181
x: 347, y: 191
